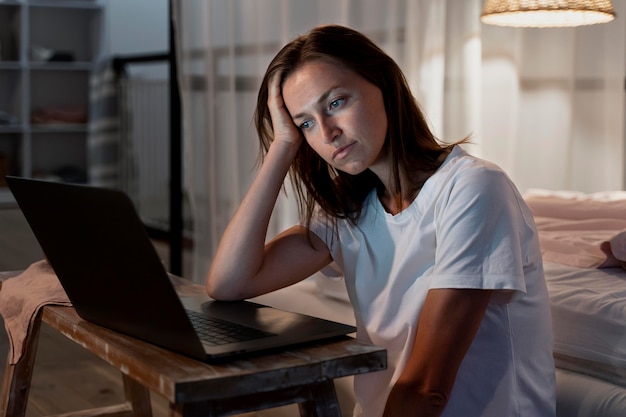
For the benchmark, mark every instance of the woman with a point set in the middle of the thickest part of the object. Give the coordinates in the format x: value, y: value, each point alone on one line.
x: 439, y: 252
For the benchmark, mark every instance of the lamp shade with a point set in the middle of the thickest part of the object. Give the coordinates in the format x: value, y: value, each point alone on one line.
x: 546, y: 13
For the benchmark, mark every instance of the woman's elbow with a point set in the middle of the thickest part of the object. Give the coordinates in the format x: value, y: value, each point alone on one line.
x: 220, y: 290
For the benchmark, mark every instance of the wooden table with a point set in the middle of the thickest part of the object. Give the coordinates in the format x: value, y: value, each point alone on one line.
x: 302, y: 375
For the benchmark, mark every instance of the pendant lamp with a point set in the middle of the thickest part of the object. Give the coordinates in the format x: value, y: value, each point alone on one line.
x: 546, y: 13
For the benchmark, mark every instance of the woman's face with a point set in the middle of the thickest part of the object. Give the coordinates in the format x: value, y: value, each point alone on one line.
x: 341, y: 115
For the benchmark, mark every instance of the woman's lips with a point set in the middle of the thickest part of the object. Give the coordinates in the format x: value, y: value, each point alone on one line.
x: 343, y: 151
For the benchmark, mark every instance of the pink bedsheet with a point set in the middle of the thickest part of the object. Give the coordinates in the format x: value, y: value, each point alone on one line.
x: 581, y: 231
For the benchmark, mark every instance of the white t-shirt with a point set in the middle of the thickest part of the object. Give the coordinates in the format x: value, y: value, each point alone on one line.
x: 468, y: 228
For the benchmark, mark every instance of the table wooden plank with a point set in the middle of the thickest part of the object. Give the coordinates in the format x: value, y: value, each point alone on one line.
x: 182, y: 380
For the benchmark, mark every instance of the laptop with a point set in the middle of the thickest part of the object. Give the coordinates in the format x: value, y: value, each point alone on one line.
x: 100, y: 250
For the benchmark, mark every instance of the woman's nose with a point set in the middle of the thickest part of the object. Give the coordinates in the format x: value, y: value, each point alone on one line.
x: 330, y: 131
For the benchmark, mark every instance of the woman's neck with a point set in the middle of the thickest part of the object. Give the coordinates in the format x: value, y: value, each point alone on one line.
x: 395, y: 202
x: 410, y: 184
x: 393, y: 205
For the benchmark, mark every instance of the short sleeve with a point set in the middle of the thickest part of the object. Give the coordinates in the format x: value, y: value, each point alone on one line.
x: 482, y: 233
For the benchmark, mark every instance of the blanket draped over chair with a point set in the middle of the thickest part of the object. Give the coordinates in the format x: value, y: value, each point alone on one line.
x: 22, y: 296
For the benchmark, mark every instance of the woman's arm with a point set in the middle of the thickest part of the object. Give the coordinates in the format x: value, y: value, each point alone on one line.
x: 447, y: 325
x: 243, y: 265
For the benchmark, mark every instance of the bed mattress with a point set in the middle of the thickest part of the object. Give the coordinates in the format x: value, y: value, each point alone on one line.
x: 589, y: 320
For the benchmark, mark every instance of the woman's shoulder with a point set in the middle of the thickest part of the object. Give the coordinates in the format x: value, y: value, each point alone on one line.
x: 464, y: 177
x: 461, y: 159
x: 462, y: 166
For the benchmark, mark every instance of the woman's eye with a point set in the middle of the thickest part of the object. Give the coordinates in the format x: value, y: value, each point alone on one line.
x: 336, y: 103
x: 305, y: 125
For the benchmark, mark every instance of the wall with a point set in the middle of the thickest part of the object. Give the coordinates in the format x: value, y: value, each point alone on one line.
x: 138, y: 26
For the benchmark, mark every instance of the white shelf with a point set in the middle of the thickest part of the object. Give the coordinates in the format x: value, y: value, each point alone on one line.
x: 55, y: 86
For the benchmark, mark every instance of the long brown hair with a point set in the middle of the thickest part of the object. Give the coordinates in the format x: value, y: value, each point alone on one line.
x: 411, y: 147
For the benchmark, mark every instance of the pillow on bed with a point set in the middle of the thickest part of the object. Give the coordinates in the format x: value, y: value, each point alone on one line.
x: 578, y: 229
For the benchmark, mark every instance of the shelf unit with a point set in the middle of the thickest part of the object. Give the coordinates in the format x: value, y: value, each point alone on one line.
x: 48, y: 52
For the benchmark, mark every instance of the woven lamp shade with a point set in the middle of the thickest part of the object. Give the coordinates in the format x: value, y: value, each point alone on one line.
x: 547, y: 13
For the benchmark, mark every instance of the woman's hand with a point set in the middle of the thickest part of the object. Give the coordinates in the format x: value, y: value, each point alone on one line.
x: 406, y: 401
x: 284, y: 128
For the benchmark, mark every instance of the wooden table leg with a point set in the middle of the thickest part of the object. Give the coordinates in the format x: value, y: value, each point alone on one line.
x: 137, y: 396
x: 323, y: 401
x: 190, y: 410
x: 17, y: 377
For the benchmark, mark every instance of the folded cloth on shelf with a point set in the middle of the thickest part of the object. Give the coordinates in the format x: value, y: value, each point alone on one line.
x: 22, y: 296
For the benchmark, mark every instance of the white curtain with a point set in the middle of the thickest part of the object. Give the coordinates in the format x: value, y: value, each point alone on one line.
x: 545, y: 104
x: 553, y: 104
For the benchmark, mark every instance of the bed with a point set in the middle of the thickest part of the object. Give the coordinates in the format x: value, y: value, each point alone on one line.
x: 583, y: 243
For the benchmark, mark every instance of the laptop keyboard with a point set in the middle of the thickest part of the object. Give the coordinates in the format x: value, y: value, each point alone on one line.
x: 216, y: 332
